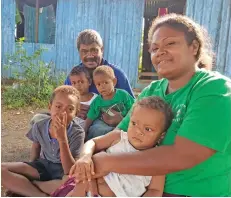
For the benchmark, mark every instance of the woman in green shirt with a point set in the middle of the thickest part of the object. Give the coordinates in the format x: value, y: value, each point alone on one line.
x: 196, y: 152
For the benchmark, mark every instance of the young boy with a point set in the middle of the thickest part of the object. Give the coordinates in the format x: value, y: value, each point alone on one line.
x: 57, y: 142
x: 81, y: 80
x: 109, y: 102
x: 150, y: 119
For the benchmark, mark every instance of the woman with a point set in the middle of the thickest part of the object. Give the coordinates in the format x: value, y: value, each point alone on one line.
x: 196, y: 152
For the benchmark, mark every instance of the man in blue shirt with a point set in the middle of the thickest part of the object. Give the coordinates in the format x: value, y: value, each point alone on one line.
x: 90, y: 47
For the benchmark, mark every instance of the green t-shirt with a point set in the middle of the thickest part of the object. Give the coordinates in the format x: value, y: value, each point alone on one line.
x: 202, y: 114
x: 122, y: 102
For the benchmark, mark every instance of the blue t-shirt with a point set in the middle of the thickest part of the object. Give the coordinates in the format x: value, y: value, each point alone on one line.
x: 122, y: 80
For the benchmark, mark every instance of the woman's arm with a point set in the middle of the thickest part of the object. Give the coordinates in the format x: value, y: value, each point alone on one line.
x: 100, y: 143
x: 90, y: 147
x: 183, y: 154
x: 156, y: 187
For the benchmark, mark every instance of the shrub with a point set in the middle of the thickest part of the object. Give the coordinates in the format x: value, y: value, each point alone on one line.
x: 34, y: 79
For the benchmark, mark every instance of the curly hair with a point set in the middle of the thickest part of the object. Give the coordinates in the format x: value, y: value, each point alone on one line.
x: 77, y: 70
x: 192, y: 31
x: 156, y: 103
x: 68, y: 90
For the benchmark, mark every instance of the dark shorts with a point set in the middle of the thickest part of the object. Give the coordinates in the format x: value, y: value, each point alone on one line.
x: 47, y: 169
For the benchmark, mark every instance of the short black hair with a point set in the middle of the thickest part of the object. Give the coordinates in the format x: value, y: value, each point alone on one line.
x: 68, y: 90
x: 80, y: 69
x: 105, y: 70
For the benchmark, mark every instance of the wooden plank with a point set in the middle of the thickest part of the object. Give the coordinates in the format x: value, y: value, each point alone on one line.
x: 145, y: 81
x: 148, y: 74
x: 37, y: 21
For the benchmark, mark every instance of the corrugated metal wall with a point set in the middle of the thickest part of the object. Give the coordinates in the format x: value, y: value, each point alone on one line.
x: 118, y: 21
x: 215, y: 16
x: 47, y: 23
x: 7, y: 30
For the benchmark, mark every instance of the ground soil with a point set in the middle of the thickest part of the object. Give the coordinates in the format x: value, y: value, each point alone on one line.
x: 14, y: 125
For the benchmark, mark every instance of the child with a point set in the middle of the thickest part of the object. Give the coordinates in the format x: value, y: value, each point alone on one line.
x: 57, y: 142
x: 81, y: 80
x: 150, y: 119
x: 109, y: 102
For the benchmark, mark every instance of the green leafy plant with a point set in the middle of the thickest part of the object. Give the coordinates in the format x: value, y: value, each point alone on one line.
x: 34, y: 79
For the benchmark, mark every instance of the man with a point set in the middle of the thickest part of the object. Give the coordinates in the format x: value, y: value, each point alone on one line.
x: 90, y: 47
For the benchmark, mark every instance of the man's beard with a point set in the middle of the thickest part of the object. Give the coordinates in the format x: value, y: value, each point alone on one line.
x: 94, y: 59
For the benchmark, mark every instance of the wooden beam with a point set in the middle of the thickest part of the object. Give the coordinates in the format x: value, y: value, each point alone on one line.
x: 37, y: 21
x: 148, y: 74
x: 145, y: 81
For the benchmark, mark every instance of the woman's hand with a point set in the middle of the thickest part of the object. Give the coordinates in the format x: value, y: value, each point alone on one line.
x: 99, y: 163
x: 83, y: 169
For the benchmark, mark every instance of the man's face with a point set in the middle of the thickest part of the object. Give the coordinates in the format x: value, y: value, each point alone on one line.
x: 91, y: 55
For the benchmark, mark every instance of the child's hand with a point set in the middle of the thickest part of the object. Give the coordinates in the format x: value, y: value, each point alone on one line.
x: 83, y: 169
x: 112, y: 120
x: 59, y: 125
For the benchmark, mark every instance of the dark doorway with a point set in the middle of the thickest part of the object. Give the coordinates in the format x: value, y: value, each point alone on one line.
x: 151, y: 11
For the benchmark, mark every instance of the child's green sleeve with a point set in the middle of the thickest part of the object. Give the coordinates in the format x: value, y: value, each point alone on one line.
x: 93, y: 112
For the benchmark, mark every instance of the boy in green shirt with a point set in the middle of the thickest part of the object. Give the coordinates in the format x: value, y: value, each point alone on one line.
x: 108, y: 103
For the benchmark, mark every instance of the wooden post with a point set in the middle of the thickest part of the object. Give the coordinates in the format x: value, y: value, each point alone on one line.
x: 37, y: 21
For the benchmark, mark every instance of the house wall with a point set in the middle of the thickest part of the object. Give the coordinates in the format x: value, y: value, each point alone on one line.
x: 118, y: 21
x: 120, y: 24
x: 7, y: 31
x: 215, y: 16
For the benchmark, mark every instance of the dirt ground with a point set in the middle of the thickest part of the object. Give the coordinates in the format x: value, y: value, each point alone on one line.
x: 14, y: 124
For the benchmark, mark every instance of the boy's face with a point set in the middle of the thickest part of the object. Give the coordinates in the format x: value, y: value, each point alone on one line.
x: 64, y: 103
x: 145, y: 127
x: 104, y: 84
x: 80, y: 82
